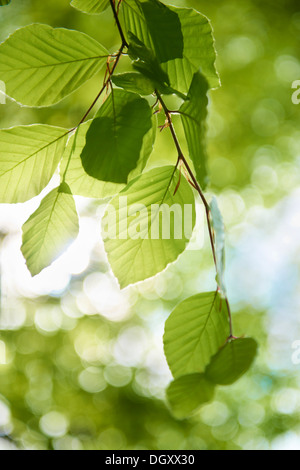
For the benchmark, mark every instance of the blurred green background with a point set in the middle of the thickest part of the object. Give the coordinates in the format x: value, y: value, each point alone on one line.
x: 81, y: 362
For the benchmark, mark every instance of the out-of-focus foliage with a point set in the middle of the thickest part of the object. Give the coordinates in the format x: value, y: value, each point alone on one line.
x: 82, y: 364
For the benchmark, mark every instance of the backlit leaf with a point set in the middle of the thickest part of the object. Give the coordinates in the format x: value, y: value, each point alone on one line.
x: 50, y: 229
x: 92, y: 7
x: 29, y: 156
x: 41, y: 65
x: 187, y: 393
x: 193, y: 117
x: 146, y: 226
x: 232, y: 361
x: 181, y: 39
x: 194, y: 332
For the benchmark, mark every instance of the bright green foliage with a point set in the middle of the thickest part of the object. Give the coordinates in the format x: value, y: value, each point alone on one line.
x: 194, y: 332
x: 80, y: 183
x: 29, y: 156
x: 193, y: 116
x: 189, y: 392
x: 115, y: 137
x: 219, y: 229
x: 41, y: 65
x: 92, y: 7
x: 138, y: 244
x: 4, y: 2
x: 232, y: 361
x: 50, y: 229
x: 134, y: 81
x: 149, y: 222
x: 180, y: 38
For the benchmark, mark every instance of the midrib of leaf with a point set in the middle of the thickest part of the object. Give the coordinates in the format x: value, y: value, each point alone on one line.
x: 205, y: 325
x: 140, y: 246
x: 58, y: 63
x: 33, y: 154
x: 49, y: 220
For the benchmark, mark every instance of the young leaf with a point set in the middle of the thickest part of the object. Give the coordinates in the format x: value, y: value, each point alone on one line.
x: 135, y: 82
x: 80, y: 183
x: 143, y: 226
x: 232, y: 361
x: 41, y: 65
x: 29, y: 156
x: 145, y: 62
x: 115, y: 137
x: 193, y: 117
x: 52, y: 227
x: 92, y: 7
x: 219, y: 229
x: 187, y: 393
x: 181, y: 39
x: 194, y: 332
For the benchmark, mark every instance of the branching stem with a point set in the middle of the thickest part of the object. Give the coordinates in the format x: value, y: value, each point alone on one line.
x: 182, y: 159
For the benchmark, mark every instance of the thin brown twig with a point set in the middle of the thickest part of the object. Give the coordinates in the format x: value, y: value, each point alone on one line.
x: 195, y: 184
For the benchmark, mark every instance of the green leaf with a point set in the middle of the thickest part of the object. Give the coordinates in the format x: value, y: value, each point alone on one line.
x: 193, y: 117
x: 50, y: 229
x: 41, y: 65
x: 145, y: 61
x: 157, y: 26
x: 92, y: 7
x: 80, y: 183
x: 232, y: 361
x: 187, y: 393
x: 115, y: 137
x: 146, y: 150
x: 181, y: 39
x: 194, y: 332
x: 219, y: 229
x: 135, y: 82
x: 29, y: 156
x: 141, y: 238
x: 4, y: 2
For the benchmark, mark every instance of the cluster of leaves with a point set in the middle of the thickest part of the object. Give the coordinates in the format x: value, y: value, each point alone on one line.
x: 172, y: 52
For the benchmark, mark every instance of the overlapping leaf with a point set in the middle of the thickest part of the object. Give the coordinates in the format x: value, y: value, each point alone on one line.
x: 181, y: 39
x: 29, y: 156
x: 232, y: 361
x: 193, y: 117
x: 194, y: 332
x: 135, y: 82
x: 143, y: 226
x: 92, y: 7
x: 50, y: 229
x: 115, y: 137
x: 187, y: 393
x: 80, y: 183
x: 41, y: 65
